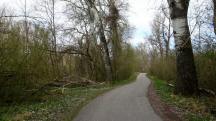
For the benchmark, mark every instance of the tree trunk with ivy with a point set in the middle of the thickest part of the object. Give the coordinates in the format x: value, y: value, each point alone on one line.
x: 115, y: 38
x: 96, y: 22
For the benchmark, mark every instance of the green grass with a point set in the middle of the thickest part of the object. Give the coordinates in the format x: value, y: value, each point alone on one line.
x: 57, y: 105
x: 54, y: 106
x: 193, y: 108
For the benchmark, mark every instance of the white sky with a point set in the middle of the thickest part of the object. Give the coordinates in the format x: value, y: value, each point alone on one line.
x: 141, y: 13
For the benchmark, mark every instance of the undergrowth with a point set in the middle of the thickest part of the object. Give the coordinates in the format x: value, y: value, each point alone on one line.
x: 56, y: 105
x: 192, y: 108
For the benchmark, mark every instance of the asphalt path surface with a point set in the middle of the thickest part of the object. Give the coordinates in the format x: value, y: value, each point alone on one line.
x: 125, y: 103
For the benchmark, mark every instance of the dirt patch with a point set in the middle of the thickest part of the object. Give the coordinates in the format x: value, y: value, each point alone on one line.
x: 166, y: 112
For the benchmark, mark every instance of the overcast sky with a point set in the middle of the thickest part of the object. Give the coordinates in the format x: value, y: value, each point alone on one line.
x: 140, y: 15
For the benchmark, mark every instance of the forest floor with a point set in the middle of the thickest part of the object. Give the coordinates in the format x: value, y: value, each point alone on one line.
x: 126, y: 103
x: 56, y: 106
x: 187, y: 108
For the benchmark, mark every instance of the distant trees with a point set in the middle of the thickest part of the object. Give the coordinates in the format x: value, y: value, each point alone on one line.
x: 157, y: 39
x: 166, y: 29
x: 161, y: 35
x: 161, y: 60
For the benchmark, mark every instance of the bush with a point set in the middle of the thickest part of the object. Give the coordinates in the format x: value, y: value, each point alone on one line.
x: 165, y: 69
x: 206, y: 69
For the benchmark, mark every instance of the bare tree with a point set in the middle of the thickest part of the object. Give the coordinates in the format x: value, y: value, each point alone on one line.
x: 166, y: 30
x: 96, y: 21
x: 47, y: 7
x: 158, y: 34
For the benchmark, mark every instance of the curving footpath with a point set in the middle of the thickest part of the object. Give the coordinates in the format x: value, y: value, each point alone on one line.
x: 126, y: 103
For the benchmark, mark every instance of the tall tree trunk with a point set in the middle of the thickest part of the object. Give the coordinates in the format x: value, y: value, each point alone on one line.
x: 214, y: 21
x: 27, y: 49
x: 107, y: 60
x: 166, y: 38
x: 186, y: 82
x: 54, y: 41
x: 96, y: 21
x: 115, y: 39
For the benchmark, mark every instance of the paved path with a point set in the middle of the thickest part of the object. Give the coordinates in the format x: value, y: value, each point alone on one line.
x: 126, y: 103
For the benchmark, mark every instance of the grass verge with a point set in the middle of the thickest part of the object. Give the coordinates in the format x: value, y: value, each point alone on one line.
x: 57, y: 105
x: 191, y: 108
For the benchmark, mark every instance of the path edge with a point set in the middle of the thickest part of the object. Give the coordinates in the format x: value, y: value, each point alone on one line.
x: 166, y: 112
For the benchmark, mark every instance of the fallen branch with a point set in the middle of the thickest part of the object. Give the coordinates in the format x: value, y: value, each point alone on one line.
x: 171, y: 85
x: 66, y: 82
x: 206, y: 92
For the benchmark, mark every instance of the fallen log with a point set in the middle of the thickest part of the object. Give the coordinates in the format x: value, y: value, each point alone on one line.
x: 207, y: 92
x: 202, y: 91
x: 65, y: 82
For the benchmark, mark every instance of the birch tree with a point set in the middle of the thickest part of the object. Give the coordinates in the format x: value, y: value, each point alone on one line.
x: 186, y: 82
